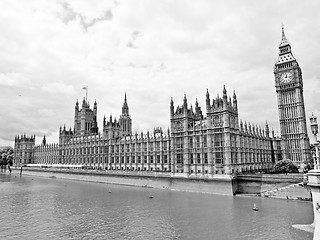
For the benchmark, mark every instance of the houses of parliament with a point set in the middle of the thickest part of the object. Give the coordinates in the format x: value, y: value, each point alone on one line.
x: 196, y: 144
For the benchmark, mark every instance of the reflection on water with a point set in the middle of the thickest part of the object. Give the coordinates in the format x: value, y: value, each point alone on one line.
x: 41, y: 208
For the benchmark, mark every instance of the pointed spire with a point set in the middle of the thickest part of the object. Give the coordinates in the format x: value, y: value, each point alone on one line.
x: 224, y: 93
x: 284, y: 41
x: 234, y: 101
x: 207, y: 97
x: 272, y: 133
x: 171, y: 108
x: 185, y: 104
x: 125, y: 108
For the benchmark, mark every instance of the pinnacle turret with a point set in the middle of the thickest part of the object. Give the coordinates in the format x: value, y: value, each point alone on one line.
x: 224, y: 92
x: 185, y: 103
x: 125, y: 108
x: 171, y: 108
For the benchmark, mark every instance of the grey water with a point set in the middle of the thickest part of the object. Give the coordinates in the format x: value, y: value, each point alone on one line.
x: 46, y: 208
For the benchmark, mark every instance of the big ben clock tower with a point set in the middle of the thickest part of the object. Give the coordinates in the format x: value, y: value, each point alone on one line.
x: 289, y: 87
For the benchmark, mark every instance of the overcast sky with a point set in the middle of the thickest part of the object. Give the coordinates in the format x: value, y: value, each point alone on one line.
x: 152, y: 50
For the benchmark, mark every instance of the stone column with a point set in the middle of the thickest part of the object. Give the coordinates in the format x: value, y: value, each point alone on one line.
x: 314, y: 179
x: 314, y: 183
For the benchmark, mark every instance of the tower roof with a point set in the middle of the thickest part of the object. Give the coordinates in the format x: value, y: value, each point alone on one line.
x: 284, y: 41
x: 285, y: 54
x: 125, y: 108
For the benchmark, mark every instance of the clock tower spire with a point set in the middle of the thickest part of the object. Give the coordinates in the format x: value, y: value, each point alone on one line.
x: 289, y: 88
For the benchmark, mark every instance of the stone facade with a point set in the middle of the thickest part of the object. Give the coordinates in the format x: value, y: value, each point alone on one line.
x: 217, y: 143
x: 195, y: 145
x: 24, y: 149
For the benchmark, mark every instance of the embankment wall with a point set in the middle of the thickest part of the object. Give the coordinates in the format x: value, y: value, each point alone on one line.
x: 219, y: 185
x: 259, y: 183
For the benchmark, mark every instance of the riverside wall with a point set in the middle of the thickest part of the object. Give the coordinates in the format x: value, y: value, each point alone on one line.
x: 259, y: 183
x: 222, y: 185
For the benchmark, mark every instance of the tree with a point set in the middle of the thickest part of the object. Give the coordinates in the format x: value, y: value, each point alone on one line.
x: 285, y: 166
x: 6, y: 156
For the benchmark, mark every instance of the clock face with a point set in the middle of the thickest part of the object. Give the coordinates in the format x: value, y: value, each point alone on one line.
x: 286, y: 77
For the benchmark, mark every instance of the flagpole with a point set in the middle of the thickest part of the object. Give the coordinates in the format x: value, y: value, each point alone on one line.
x: 86, y: 93
x: 86, y: 88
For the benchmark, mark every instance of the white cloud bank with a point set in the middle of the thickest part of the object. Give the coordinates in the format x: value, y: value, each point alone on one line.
x: 152, y: 50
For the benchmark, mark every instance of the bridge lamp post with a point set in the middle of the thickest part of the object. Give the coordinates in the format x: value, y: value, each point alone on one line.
x: 314, y: 179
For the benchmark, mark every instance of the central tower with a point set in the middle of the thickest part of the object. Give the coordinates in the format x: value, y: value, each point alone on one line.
x: 289, y: 88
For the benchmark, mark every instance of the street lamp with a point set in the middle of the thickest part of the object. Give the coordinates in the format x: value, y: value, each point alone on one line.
x: 314, y: 130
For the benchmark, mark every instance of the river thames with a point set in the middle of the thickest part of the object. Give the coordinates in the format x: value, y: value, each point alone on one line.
x: 46, y: 208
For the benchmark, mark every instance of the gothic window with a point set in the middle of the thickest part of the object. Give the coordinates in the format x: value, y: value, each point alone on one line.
x: 219, y: 157
x: 178, y: 126
x: 179, y: 142
x: 205, y: 141
x: 179, y: 158
x: 165, y: 157
x: 198, y: 158
x: 165, y: 146
x: 190, y: 142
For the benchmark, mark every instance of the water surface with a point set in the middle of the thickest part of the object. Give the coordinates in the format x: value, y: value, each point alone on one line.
x: 43, y: 208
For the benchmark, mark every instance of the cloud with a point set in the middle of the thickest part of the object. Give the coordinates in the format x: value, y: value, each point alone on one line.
x: 153, y: 50
x: 13, y: 79
x: 59, y: 88
x: 69, y: 14
x: 133, y: 38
